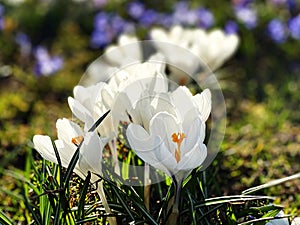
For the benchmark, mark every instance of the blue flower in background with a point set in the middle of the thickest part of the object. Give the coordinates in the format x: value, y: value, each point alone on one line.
x: 247, y: 16
x: 136, y: 9
x: 206, y: 18
x: 45, y: 64
x: 277, y: 31
x: 117, y: 24
x: 24, y: 43
x: 166, y: 20
x: 107, y: 27
x: 294, y: 27
x: 184, y: 15
x: 231, y: 27
x: 102, y: 33
x: 148, y: 18
x: 1, y: 17
x: 101, y: 20
x: 100, y: 38
x: 291, y: 5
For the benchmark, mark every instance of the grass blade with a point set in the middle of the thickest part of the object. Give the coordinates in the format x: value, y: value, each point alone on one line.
x: 4, y: 219
x: 82, y: 196
x: 271, y: 183
x: 93, y: 128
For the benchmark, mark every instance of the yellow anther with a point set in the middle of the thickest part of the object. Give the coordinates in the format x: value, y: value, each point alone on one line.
x: 77, y: 140
x: 178, y: 138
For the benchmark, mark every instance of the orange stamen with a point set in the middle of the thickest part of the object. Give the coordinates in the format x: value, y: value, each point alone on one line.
x: 77, y: 140
x: 178, y: 138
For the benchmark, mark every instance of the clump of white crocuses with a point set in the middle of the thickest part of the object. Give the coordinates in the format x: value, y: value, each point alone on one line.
x: 212, y: 47
x: 164, y: 127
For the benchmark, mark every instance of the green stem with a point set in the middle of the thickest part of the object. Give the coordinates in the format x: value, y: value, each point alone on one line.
x: 173, y: 218
x: 147, y: 182
x: 114, y: 152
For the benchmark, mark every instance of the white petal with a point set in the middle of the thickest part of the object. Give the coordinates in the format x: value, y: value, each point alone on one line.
x: 66, y: 151
x: 91, y: 153
x: 182, y: 99
x: 193, y: 158
x: 166, y: 160
x: 296, y: 221
x: 164, y: 125
x: 151, y: 149
x: 66, y: 130
x: 195, y: 133
x: 81, y: 112
x: 158, y: 34
x: 203, y: 102
x: 43, y: 145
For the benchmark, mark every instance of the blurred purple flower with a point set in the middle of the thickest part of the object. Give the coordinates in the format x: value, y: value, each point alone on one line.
x: 277, y: 31
x: 206, y: 18
x: 117, y: 24
x: 106, y: 28
x: 1, y: 9
x: 1, y: 17
x: 1, y: 23
x: 136, y: 9
x: 45, y: 64
x: 24, y: 43
x: 231, y: 27
x: 183, y: 15
x: 101, y: 20
x: 148, y: 18
x: 166, y: 20
x: 100, y: 38
x: 247, y: 16
x: 291, y: 4
x: 294, y: 27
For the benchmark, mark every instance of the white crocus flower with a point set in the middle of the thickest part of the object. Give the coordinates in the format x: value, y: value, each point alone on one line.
x: 213, y: 48
x: 170, y: 133
x: 127, y: 50
x: 129, y: 84
x: 122, y: 90
x: 88, y: 106
x: 70, y: 135
x: 172, y: 140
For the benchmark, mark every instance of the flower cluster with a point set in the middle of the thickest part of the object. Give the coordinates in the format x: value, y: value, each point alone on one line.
x: 139, y: 93
x: 245, y: 14
x: 165, y: 126
x: 142, y: 17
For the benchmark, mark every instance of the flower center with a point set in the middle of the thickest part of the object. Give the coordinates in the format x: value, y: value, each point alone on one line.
x: 178, y: 138
x: 77, y: 140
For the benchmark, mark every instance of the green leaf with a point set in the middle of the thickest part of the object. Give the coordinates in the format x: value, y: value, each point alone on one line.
x: 83, y: 193
x: 4, y: 219
x: 94, y: 127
